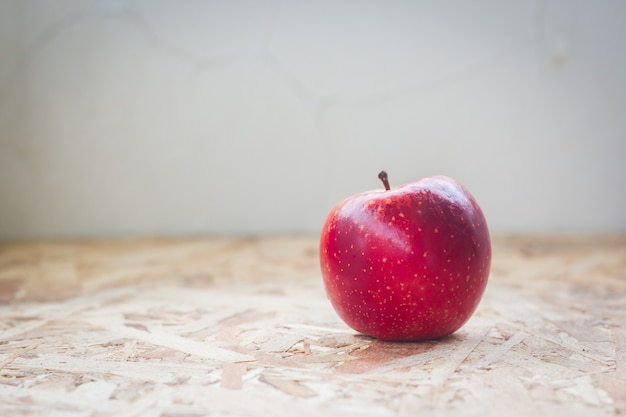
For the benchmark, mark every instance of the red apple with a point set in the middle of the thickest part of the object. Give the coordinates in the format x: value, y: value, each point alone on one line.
x: 406, y: 263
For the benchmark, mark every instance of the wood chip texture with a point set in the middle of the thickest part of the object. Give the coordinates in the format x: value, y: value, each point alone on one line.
x: 242, y: 327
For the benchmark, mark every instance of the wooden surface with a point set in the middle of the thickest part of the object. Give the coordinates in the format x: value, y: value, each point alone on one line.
x: 196, y: 327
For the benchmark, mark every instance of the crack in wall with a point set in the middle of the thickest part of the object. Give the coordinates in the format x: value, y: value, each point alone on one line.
x: 319, y: 105
x: 103, y: 10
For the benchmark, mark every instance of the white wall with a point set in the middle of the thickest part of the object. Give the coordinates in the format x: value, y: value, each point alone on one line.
x: 191, y: 117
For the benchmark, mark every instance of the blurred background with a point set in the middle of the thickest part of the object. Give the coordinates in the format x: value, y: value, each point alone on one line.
x: 158, y: 117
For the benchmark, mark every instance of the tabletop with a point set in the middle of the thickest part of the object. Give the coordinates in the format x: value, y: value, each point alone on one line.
x: 241, y: 326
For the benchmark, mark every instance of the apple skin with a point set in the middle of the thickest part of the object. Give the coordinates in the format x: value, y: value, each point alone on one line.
x: 408, y: 263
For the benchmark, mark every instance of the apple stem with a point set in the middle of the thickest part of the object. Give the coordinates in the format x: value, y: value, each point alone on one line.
x: 385, y: 179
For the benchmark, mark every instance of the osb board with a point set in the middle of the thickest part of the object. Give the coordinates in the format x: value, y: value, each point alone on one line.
x: 194, y: 327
